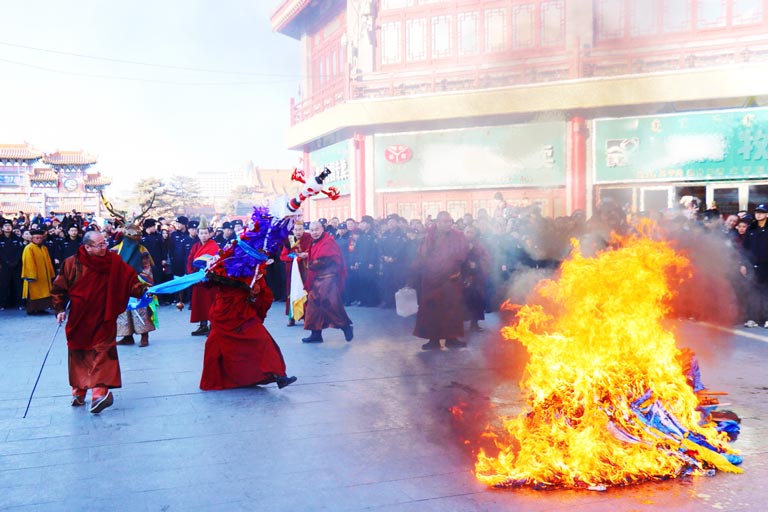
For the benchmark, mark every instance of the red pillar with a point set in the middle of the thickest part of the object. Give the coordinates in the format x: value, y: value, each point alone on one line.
x: 577, y: 166
x: 358, y: 195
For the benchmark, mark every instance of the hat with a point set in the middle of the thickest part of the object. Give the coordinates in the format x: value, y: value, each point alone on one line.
x: 744, y: 220
x: 393, y: 216
x: 182, y: 220
x: 323, y: 221
x: 226, y: 225
x: 237, y: 222
x: 148, y: 223
x: 367, y: 218
x: 761, y: 208
x: 193, y: 224
x: 6, y: 221
x: 37, y: 232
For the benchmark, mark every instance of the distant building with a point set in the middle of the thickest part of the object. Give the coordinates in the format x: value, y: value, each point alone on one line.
x: 64, y: 182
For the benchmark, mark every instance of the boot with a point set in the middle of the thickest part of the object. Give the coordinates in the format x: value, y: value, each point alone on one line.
x: 144, y: 341
x: 315, y: 337
x: 202, y: 330
x: 126, y: 340
x: 431, y: 345
x: 347, y: 332
x: 455, y: 343
x: 284, y: 380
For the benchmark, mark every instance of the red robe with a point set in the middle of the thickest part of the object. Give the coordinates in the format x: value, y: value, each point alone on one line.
x: 202, y: 294
x: 302, y: 245
x: 239, y: 350
x: 326, y: 272
x: 441, y: 299
x: 98, y: 288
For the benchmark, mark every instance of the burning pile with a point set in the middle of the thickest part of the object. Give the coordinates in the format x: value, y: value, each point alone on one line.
x: 607, y: 401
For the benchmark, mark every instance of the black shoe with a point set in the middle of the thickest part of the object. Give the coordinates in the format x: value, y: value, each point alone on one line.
x: 348, y: 335
x: 126, y: 340
x: 431, y: 345
x: 454, y: 343
x: 201, y: 331
x: 102, y: 403
x: 315, y: 337
x: 77, y: 401
x: 285, y: 381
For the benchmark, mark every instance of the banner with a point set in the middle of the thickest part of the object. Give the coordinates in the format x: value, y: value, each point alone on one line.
x: 297, y: 295
x: 703, y: 146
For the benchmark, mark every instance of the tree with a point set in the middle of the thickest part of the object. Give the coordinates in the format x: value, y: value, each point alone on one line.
x: 183, y: 193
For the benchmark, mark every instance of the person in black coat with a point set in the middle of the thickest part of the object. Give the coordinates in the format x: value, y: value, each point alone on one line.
x: 392, y: 253
x: 156, y: 247
x: 179, y: 245
x: 11, y: 247
x: 365, y: 264
x: 69, y: 244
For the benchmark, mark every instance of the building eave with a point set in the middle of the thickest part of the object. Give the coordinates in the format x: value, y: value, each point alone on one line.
x: 285, y: 14
x: 687, y: 85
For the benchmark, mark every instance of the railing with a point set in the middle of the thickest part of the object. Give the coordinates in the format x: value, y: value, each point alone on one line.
x: 600, y: 61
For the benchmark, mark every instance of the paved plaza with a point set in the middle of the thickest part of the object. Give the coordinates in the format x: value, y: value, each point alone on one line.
x: 366, y: 426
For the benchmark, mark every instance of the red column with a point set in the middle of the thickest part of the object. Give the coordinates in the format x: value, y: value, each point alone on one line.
x: 359, y: 193
x: 577, y: 166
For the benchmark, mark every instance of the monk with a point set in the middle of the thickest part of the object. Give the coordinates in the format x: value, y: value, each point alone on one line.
x: 239, y: 351
x: 325, y: 281
x: 439, y: 263
x: 298, y: 243
x: 202, y: 294
x: 37, y: 273
x: 97, y: 283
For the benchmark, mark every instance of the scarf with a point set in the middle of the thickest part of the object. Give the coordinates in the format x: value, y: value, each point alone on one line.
x: 326, y: 247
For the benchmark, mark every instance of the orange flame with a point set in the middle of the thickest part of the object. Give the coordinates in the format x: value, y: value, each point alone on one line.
x: 597, y: 344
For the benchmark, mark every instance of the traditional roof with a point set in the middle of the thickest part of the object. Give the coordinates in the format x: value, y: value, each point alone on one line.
x: 19, y: 152
x: 44, y: 174
x: 97, y: 180
x: 44, y: 177
x: 69, y: 159
x: 285, y: 14
x: 12, y: 207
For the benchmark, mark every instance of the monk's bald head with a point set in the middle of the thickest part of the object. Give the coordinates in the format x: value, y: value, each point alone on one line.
x: 444, y: 221
x: 316, y: 229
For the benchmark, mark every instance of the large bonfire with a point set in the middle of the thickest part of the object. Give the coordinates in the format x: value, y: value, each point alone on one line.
x: 609, y: 397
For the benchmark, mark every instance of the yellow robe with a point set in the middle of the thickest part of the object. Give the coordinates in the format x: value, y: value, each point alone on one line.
x: 37, y: 272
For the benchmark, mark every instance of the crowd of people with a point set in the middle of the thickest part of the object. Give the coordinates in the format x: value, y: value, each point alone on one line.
x: 460, y: 269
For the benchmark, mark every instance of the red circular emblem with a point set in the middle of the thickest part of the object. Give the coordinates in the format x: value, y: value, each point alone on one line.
x: 398, y: 153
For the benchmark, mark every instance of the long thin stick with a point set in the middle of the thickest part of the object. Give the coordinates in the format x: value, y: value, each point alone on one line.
x: 58, y: 328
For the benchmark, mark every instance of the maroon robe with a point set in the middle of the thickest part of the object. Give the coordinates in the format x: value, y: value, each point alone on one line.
x: 202, y: 294
x: 326, y: 272
x: 98, y: 288
x: 441, y: 298
x: 239, y: 350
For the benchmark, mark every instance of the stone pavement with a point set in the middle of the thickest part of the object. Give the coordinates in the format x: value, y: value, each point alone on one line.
x: 366, y: 427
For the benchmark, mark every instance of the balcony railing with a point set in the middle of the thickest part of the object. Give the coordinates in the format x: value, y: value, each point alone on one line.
x: 600, y: 61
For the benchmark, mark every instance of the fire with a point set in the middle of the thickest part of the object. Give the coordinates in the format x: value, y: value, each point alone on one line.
x: 607, y: 402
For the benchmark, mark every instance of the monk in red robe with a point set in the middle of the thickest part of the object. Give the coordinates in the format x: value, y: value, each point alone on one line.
x: 298, y: 243
x: 441, y: 300
x: 202, y: 294
x: 325, y: 281
x: 239, y: 351
x: 98, y: 284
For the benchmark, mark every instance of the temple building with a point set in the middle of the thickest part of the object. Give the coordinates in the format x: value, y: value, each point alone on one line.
x: 35, y: 182
x: 426, y: 105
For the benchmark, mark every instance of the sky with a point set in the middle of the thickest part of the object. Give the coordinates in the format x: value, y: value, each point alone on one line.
x: 150, y: 87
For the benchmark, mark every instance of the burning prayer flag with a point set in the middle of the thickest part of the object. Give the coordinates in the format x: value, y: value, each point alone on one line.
x: 607, y: 400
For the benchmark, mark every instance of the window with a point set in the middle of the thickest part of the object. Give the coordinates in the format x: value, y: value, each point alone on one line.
x: 416, y: 39
x: 441, y: 36
x: 390, y: 43
x: 676, y: 15
x: 643, y: 16
x: 456, y: 209
x: 523, y: 26
x: 747, y: 11
x: 710, y: 13
x: 468, y: 25
x: 431, y: 208
x: 552, y: 23
x: 495, y: 30
x: 610, y: 18
x: 395, y: 4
